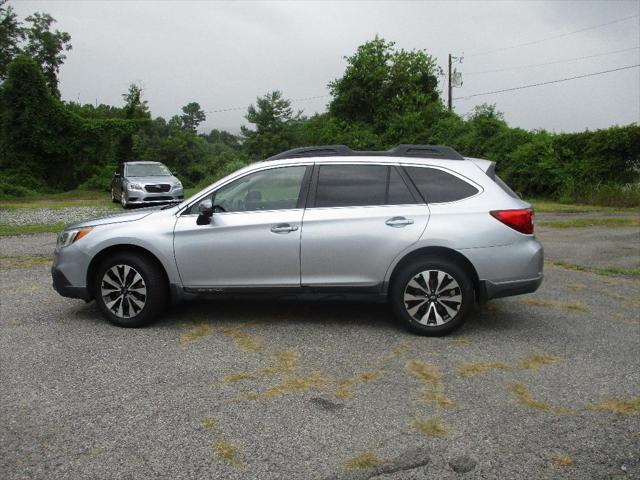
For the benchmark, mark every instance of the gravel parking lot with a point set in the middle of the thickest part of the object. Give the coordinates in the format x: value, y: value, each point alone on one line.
x: 540, y: 386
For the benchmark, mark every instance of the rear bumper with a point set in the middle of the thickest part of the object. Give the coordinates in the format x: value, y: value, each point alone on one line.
x: 62, y: 285
x: 489, y: 290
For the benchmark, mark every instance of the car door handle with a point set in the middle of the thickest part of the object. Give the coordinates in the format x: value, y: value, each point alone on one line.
x: 398, y: 222
x: 283, y: 228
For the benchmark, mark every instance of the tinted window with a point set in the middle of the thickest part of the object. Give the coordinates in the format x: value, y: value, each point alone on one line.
x: 273, y: 189
x: 398, y: 192
x: 357, y: 185
x: 437, y: 186
x: 147, y: 169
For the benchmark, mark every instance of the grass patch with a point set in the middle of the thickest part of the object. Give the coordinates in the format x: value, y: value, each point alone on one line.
x: 551, y: 303
x: 536, y: 360
x: 631, y: 272
x: 524, y: 397
x: 292, y: 385
x: 619, y: 406
x: 227, y: 452
x: 550, y: 206
x: 469, y: 370
x: 286, y: 361
x: 561, y: 460
x: 243, y: 340
x: 57, y: 204
x: 19, y: 262
x: 210, y: 423
x: 592, y: 222
x: 433, y: 427
x: 363, y: 461
x: 433, y: 387
x: 465, y: 342
x: 7, y: 229
x: 197, y: 330
x: 345, y: 387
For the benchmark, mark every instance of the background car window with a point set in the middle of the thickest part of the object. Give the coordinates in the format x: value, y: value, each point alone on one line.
x: 437, y: 186
x: 147, y: 170
x: 274, y: 189
x: 359, y: 185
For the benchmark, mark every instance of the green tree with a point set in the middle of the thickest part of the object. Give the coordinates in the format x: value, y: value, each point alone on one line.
x: 46, y: 47
x: 275, y: 123
x: 381, y: 82
x: 192, y: 116
x: 134, y: 106
x: 10, y: 36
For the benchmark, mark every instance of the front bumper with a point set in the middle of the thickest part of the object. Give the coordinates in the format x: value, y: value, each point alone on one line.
x: 142, y: 197
x: 62, y: 285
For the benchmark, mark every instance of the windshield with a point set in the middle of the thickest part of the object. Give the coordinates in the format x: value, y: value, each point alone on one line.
x: 147, y: 170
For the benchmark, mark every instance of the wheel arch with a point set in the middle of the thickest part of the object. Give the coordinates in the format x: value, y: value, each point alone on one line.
x: 119, y: 248
x: 439, y: 252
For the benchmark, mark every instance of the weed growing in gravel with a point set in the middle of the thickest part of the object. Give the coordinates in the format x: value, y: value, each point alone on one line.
x: 363, y: 461
x: 469, y: 370
x: 525, y: 398
x: 551, y: 303
x: 429, y: 376
x: 561, y: 460
x: 292, y: 384
x: 242, y: 339
x: 632, y: 272
x: 537, y: 360
x: 19, y: 262
x: 432, y: 427
x: 197, y: 330
x: 620, y: 406
x: 286, y: 361
x: 593, y: 222
x: 465, y: 342
x: 345, y: 387
x: 222, y: 448
x: 227, y: 452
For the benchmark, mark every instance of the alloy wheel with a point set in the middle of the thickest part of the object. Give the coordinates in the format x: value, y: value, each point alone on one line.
x: 432, y: 298
x: 123, y: 291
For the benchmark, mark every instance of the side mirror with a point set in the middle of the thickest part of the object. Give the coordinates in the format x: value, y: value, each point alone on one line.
x: 205, y: 212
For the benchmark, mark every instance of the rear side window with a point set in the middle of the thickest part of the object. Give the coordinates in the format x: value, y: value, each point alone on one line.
x: 437, y: 186
x: 359, y: 185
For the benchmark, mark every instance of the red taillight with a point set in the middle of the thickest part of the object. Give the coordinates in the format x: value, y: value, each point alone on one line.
x: 520, y: 220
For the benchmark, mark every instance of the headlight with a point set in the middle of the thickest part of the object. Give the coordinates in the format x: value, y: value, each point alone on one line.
x: 135, y: 186
x: 67, y: 237
x: 178, y: 184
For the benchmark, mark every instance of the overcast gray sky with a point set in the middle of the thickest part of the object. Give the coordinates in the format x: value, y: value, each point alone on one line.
x: 224, y: 54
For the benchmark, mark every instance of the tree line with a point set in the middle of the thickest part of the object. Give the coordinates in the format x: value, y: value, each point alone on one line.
x: 386, y: 96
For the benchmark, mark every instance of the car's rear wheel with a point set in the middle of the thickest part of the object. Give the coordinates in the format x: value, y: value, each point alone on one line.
x: 130, y: 289
x: 432, y: 296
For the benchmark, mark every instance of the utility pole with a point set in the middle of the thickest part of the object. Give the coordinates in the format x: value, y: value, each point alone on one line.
x: 450, y: 85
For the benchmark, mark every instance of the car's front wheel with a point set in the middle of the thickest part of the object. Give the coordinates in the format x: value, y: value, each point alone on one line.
x: 130, y: 289
x: 113, y: 196
x: 123, y: 201
x: 432, y: 296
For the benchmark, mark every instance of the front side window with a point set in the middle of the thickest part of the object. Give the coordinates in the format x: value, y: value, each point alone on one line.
x: 147, y: 170
x: 274, y: 189
x: 360, y: 185
x: 437, y: 186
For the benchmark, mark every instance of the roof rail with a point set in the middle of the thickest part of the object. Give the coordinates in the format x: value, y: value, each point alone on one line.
x: 405, y: 150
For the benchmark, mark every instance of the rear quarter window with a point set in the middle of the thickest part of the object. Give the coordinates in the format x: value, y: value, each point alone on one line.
x: 437, y: 186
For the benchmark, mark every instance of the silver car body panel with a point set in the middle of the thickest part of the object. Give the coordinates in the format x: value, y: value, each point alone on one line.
x: 332, y: 247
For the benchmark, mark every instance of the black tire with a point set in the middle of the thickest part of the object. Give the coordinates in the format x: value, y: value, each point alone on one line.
x: 448, y: 267
x: 113, y: 197
x: 154, y: 283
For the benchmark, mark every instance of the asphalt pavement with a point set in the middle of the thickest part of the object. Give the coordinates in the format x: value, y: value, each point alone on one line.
x: 545, y: 385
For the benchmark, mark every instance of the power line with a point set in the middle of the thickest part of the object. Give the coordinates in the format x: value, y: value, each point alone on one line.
x: 521, y: 67
x: 294, y: 100
x: 554, y: 37
x: 546, y: 83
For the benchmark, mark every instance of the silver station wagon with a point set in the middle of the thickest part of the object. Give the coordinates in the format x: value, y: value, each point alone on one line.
x: 419, y: 226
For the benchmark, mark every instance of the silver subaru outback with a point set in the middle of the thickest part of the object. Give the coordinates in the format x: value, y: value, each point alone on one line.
x: 419, y: 226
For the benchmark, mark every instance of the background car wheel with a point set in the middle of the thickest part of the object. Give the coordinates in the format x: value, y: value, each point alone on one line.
x: 130, y: 289
x: 113, y: 197
x: 123, y: 201
x: 432, y: 296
